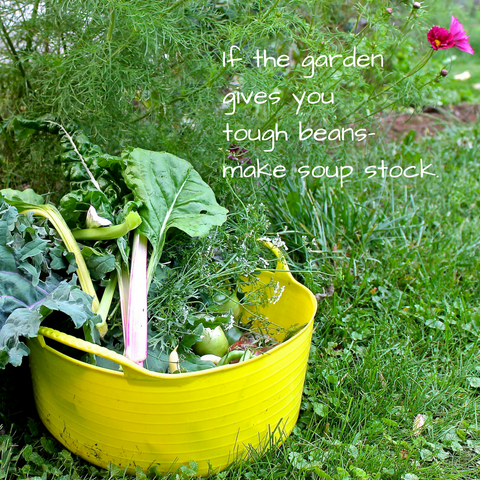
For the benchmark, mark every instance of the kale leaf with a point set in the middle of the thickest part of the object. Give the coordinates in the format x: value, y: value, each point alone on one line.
x: 29, y: 289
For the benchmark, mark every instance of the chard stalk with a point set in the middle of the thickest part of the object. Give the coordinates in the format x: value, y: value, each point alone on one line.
x: 52, y: 214
x: 123, y: 288
x: 136, y: 341
x: 105, y: 303
x: 132, y: 221
x: 174, y: 361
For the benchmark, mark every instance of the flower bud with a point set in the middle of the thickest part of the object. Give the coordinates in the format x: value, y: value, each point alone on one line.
x: 417, y: 5
x: 444, y: 72
x: 389, y: 10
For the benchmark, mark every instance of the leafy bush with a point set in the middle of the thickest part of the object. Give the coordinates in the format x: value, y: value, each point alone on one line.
x: 150, y: 75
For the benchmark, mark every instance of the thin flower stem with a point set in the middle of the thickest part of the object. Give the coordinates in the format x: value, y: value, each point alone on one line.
x: 414, y: 70
x: 111, y: 24
x: 235, y: 194
x: 33, y: 21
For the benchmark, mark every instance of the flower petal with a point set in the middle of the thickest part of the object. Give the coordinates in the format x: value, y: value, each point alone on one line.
x: 456, y: 29
x: 440, y: 38
x: 465, y: 46
x: 460, y: 37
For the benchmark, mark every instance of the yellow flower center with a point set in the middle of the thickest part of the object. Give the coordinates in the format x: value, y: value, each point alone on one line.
x: 437, y: 42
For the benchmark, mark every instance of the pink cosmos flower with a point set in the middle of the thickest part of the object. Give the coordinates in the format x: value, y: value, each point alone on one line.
x: 455, y: 37
x: 440, y: 38
x: 460, y: 37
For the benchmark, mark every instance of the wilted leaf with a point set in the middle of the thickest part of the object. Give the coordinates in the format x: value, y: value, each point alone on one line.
x: 418, y: 424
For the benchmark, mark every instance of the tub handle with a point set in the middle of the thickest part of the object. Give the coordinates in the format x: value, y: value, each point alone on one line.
x: 130, y: 368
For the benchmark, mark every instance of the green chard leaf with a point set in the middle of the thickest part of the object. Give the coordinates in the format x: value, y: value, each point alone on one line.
x: 172, y: 194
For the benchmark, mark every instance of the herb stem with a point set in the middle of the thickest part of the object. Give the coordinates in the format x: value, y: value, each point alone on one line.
x: 14, y: 53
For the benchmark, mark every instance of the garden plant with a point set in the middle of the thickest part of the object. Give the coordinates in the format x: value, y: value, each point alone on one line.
x: 270, y: 123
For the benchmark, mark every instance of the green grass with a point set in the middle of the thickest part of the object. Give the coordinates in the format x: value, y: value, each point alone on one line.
x: 399, y: 336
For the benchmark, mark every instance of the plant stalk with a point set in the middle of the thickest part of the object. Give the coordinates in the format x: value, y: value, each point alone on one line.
x: 132, y: 221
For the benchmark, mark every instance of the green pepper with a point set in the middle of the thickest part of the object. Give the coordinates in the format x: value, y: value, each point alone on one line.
x: 233, y: 334
x: 224, y: 302
x: 214, y: 342
x: 233, y: 355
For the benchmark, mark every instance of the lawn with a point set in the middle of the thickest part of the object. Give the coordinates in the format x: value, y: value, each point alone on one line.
x: 396, y: 337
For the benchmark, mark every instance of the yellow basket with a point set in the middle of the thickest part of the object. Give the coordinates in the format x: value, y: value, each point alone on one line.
x: 140, y: 418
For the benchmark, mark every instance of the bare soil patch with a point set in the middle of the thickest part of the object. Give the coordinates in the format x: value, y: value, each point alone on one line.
x: 430, y: 121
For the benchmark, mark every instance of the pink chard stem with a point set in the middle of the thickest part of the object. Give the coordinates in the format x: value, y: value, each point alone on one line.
x: 136, y: 338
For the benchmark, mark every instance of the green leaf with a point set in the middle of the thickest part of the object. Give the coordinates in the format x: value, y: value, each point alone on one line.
x: 172, y: 194
x: 27, y: 196
x: 358, y: 472
x: 192, y: 363
x: 33, y: 248
x: 389, y: 422
x: 190, y: 339
x: 342, y: 473
x: 320, y: 409
x: 426, y: 455
x: 474, y: 382
x: 115, y: 471
x: 322, y: 474
x: 157, y: 360
x: 25, y: 299
x: 433, y: 323
x: 333, y: 379
x: 100, y: 265
x: 140, y: 474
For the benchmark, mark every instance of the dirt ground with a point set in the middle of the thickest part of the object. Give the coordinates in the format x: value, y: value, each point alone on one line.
x: 430, y: 121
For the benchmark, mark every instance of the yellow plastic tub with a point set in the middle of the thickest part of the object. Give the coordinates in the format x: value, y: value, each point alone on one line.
x: 137, y: 417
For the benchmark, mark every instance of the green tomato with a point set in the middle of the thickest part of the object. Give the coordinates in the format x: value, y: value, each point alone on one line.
x: 214, y: 342
x: 224, y: 302
x: 233, y: 335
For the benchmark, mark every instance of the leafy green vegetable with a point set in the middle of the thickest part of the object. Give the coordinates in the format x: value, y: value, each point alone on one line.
x: 49, y: 211
x: 166, y: 192
x: 29, y: 290
x: 26, y: 196
x: 172, y: 194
